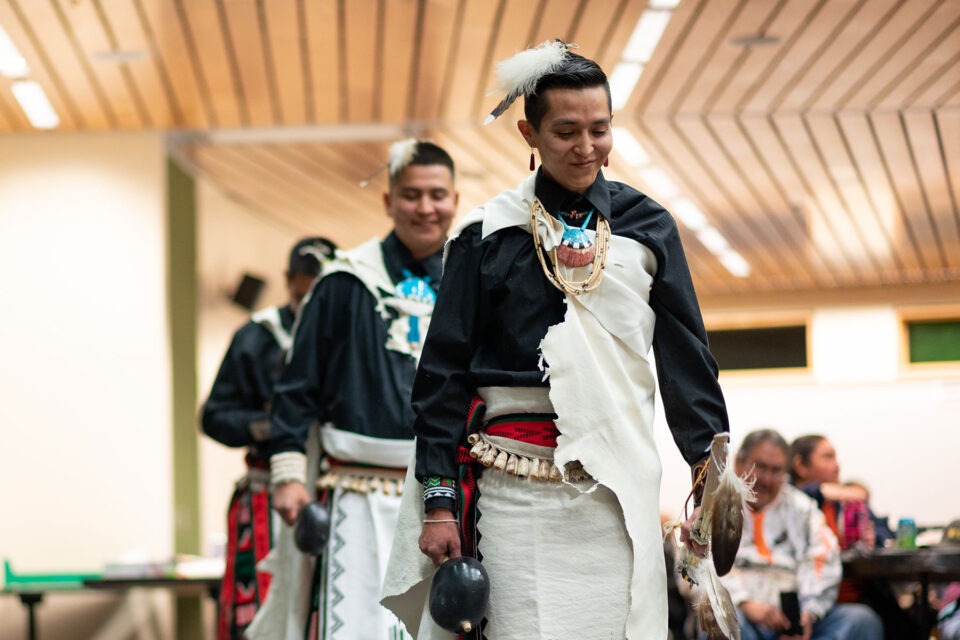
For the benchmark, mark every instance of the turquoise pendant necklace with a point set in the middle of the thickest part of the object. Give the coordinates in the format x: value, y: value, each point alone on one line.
x: 417, y: 290
x: 576, y: 248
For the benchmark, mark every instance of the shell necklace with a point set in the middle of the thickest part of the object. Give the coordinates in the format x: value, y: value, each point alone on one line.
x: 553, y: 272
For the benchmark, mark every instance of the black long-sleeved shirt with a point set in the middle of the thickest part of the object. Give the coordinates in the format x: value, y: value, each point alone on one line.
x: 340, y: 369
x: 496, y: 306
x: 243, y: 388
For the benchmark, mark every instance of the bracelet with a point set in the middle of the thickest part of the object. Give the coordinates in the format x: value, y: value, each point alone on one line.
x: 436, y: 521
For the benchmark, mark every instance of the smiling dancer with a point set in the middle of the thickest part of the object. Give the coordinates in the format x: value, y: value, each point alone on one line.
x: 554, y: 294
x: 351, y: 369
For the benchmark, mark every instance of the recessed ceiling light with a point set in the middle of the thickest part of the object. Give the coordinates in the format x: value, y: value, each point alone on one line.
x: 120, y: 56
x: 35, y: 104
x: 12, y: 64
x: 628, y: 147
x: 646, y: 35
x: 758, y: 40
x: 622, y: 82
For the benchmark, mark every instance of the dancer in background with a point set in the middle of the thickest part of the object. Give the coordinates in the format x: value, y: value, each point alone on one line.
x: 237, y: 414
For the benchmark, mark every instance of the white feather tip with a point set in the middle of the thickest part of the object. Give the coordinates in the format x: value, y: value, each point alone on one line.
x: 739, y: 486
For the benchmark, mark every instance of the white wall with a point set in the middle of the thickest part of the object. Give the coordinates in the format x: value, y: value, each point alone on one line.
x: 894, y: 428
x: 84, y: 375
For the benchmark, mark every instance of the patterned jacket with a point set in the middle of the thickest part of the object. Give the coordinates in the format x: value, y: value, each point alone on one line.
x: 787, y: 546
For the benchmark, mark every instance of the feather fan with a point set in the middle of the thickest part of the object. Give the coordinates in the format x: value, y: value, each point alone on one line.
x: 715, y: 610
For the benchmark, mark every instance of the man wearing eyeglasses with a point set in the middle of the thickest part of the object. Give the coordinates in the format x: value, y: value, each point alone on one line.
x: 787, y: 548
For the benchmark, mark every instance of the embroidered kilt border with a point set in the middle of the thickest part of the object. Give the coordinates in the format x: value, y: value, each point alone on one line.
x: 531, y: 429
x: 249, y: 539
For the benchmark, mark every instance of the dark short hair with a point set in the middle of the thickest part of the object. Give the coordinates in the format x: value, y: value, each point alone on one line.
x: 576, y: 72
x: 427, y: 154
x: 756, y: 438
x: 802, y: 447
x: 304, y: 255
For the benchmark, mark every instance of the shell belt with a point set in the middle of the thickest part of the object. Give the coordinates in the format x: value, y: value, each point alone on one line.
x: 360, y: 479
x: 484, y: 451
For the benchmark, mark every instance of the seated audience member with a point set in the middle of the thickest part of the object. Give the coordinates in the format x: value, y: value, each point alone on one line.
x: 787, y: 547
x: 814, y: 469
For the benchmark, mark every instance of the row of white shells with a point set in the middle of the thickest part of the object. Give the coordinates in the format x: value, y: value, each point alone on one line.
x: 360, y: 483
x: 534, y: 468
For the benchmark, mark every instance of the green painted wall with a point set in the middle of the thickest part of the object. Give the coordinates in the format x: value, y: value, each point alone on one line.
x: 182, y: 309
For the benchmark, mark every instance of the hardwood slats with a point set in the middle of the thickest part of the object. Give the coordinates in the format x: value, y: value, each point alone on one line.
x: 125, y: 20
x: 285, y: 67
x: 932, y: 181
x: 216, y: 50
x: 873, y: 55
x: 890, y: 137
x: 163, y: 25
x: 913, y: 55
x: 830, y: 159
x: 119, y: 91
x: 243, y: 24
x: 324, y: 46
x: 361, y: 29
x: 400, y: 56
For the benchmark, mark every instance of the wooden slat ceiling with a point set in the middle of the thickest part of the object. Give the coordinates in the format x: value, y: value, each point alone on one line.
x: 828, y: 159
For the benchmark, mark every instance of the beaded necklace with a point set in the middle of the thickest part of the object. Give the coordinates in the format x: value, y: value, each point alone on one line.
x: 554, y: 274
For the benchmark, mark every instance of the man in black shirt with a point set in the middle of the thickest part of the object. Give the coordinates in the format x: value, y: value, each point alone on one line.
x: 554, y: 293
x: 351, y: 370
x: 237, y: 414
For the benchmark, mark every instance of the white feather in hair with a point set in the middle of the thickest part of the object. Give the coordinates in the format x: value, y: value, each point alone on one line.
x: 401, y: 155
x: 518, y: 75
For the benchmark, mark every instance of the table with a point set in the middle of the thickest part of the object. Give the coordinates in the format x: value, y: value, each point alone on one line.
x: 31, y: 588
x: 934, y: 564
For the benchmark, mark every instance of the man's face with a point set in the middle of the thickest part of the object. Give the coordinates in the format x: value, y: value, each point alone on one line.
x: 298, y: 286
x: 422, y: 203
x: 768, y: 464
x: 823, y: 466
x: 574, y: 138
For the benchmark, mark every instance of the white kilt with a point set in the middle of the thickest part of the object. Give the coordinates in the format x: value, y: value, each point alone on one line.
x: 559, y: 560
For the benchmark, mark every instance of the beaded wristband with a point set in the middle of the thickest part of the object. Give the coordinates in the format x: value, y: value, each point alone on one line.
x: 437, y: 487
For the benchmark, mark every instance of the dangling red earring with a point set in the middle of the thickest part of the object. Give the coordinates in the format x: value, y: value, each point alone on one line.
x: 606, y: 161
x: 532, y: 165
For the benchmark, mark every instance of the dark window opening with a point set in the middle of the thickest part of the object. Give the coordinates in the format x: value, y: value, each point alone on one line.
x: 760, y: 348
